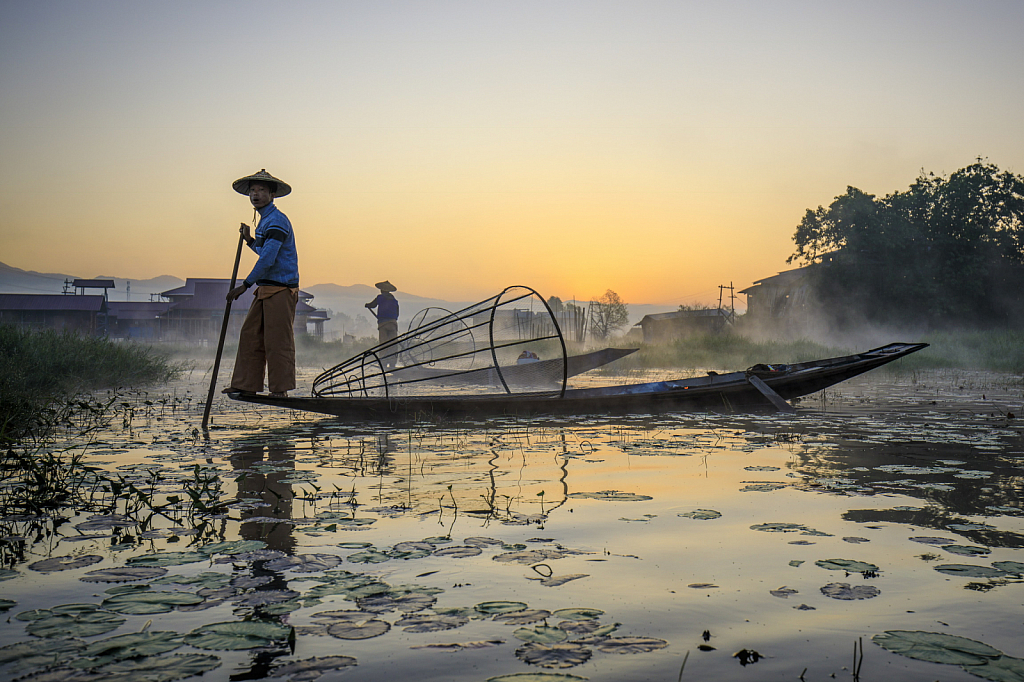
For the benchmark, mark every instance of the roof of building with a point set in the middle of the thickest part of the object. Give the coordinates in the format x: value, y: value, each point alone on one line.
x: 684, y: 314
x: 203, y: 286
x: 87, y: 302
x: 93, y: 283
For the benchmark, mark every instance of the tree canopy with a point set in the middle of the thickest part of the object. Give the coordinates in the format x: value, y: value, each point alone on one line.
x: 948, y: 249
x: 608, y: 314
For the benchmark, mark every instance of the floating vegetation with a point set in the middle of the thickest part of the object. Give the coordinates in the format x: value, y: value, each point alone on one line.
x: 237, y: 635
x: 848, y: 565
x: 845, y: 592
x: 558, y: 655
x: 701, y: 514
x: 64, y: 563
x: 611, y: 496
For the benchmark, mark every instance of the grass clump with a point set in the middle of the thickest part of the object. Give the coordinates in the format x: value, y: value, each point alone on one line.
x: 41, y: 372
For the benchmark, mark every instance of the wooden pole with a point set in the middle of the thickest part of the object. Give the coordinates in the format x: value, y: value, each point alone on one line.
x: 223, y: 333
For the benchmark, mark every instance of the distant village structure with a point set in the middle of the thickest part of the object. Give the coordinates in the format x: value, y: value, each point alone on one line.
x: 191, y: 313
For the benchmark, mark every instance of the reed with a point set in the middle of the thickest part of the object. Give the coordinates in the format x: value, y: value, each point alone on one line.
x: 41, y: 372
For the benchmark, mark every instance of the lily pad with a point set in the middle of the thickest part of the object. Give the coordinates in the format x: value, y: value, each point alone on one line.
x: 308, y: 667
x: 928, y: 540
x: 587, y: 628
x: 266, y: 597
x: 390, y: 601
x: 7, y: 574
x: 106, y: 522
x: 967, y: 550
x: 577, y: 614
x: 936, y: 647
x: 64, y: 563
x: 702, y: 514
x: 237, y: 635
x: 564, y: 655
x: 168, y: 559
x: 481, y: 542
x: 7, y: 604
x: 610, y: 495
x: 845, y: 592
x: 556, y: 580
x: 204, y: 580
x: 779, y: 527
x: 132, y: 645
x: 783, y: 592
x: 363, y: 628
x: 1009, y: 566
x: 431, y: 622
x: 233, y: 547
x: 542, y: 634
x: 631, y: 645
x: 369, y: 556
x: 140, y: 603
x: 305, y: 563
x: 75, y: 624
x: 458, y: 551
x: 970, y: 571
x: 122, y: 575
x: 522, y: 617
x: 529, y: 556
x: 160, y: 669
x: 490, y: 608
x: 1002, y: 669
x: 848, y: 565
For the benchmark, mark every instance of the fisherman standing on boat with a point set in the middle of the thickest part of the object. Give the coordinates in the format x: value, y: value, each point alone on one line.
x: 267, y: 337
x: 387, y: 311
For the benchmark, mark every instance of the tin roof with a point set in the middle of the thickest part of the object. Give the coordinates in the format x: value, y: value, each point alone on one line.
x: 137, y: 310
x: 93, y: 283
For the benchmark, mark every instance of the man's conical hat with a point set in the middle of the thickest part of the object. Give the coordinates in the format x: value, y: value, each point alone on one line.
x: 241, y: 185
x: 386, y: 286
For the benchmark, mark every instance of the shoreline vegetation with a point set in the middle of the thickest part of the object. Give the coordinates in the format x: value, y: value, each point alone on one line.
x: 44, y: 371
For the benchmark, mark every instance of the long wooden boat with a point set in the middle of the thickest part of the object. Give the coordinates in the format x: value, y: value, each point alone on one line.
x: 758, y: 387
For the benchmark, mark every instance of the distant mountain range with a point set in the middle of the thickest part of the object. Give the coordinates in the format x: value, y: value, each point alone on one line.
x: 346, y: 303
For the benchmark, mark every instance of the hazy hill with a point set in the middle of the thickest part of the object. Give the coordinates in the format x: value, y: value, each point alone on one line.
x: 17, y: 281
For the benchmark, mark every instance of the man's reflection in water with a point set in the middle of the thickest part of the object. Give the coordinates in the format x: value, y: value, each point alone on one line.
x: 262, y: 467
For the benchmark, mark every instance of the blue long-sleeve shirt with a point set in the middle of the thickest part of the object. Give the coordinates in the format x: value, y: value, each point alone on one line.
x: 274, y: 243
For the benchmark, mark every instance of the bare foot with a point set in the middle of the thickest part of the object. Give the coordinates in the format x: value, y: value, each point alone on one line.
x: 279, y: 394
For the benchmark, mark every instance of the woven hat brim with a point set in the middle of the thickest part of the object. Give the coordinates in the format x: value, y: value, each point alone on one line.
x: 385, y: 286
x: 241, y: 185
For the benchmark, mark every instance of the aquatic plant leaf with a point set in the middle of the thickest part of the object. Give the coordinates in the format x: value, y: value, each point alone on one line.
x: 167, y: 559
x: 139, y: 603
x: 522, y: 617
x: 795, y: 563
x: 779, y: 527
x: 783, y: 592
x: 438, y: 540
x: 318, y: 664
x: 248, y: 582
x: 610, y: 495
x: 926, y: 540
x: 762, y: 486
x: 266, y: 597
x: 40, y: 652
x: 7, y: 604
x: 132, y: 645
x: 1009, y: 566
x: 281, y: 608
x: 106, y: 522
x: 936, y: 647
x: 537, y: 677
x: 590, y: 628
x: 702, y: 514
x: 845, y: 592
x: 407, y: 603
x: 160, y: 669
x: 7, y: 574
x: 565, y: 655
x: 360, y: 629
x: 631, y: 645
x: 204, y: 580
x: 967, y: 550
x: 430, y: 622
x: 494, y: 607
x: 970, y: 571
x: 481, y: 542
x: 413, y: 546
x: 458, y: 551
x: 75, y: 624
x: 233, y: 547
x: 353, y: 545
x: 237, y: 635
x: 848, y: 565
x: 64, y: 563
x: 369, y: 556
x: 529, y: 556
x: 703, y: 586
x: 577, y: 614
x: 460, y: 646
x: 556, y: 580
x: 1002, y: 669
x: 542, y: 634
x: 855, y: 540
x: 122, y: 575
x: 305, y: 563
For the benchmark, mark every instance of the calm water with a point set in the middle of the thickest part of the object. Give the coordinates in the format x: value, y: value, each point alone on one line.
x: 588, y: 548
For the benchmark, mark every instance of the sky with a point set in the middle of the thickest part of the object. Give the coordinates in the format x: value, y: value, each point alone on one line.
x: 658, y: 149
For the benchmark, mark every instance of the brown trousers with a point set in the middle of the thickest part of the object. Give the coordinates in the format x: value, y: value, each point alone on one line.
x: 267, y: 339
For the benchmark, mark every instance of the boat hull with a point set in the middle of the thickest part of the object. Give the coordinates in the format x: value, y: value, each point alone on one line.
x: 717, y: 392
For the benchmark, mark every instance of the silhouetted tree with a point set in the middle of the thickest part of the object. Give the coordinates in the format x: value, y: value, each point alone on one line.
x: 607, y: 315
x: 946, y: 250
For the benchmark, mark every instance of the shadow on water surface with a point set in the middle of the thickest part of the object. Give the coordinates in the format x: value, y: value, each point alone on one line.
x: 291, y: 546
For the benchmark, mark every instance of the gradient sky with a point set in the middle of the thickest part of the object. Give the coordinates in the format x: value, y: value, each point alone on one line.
x: 659, y: 149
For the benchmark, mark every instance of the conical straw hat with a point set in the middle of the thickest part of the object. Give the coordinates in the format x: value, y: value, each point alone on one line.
x: 241, y: 185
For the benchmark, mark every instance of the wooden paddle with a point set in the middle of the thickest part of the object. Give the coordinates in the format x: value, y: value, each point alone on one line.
x: 223, y: 333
